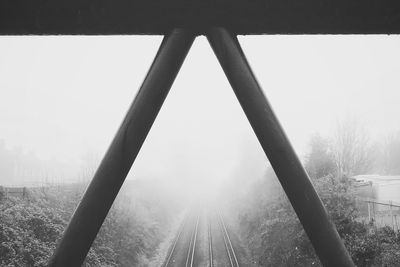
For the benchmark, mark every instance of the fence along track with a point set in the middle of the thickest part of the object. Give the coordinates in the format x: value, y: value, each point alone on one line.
x: 228, y: 244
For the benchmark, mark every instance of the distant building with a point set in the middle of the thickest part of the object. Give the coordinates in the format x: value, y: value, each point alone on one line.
x: 379, y: 187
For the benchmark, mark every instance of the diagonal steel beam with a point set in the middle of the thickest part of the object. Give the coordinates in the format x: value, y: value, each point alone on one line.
x: 109, y: 177
x: 294, y: 179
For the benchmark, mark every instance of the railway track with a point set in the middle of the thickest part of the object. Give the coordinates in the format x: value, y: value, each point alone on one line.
x: 171, y: 252
x: 190, y: 248
x: 186, y: 249
x: 228, y: 244
x: 210, y: 243
x: 192, y: 245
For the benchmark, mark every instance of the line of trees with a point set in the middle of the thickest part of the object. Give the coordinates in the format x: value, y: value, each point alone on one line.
x: 268, y: 224
x: 351, y: 151
x: 18, y: 167
x: 135, y: 226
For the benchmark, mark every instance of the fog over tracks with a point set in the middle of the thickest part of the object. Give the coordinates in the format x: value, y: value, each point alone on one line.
x: 204, y: 239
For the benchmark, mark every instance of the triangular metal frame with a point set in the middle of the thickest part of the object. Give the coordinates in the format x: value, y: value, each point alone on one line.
x: 110, y: 175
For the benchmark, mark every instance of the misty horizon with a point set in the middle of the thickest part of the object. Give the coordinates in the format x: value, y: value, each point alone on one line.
x: 75, y: 91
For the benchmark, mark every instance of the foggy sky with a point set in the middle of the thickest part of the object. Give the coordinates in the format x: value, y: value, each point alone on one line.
x: 63, y: 98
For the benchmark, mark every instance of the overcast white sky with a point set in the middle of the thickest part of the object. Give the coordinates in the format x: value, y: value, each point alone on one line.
x: 64, y: 97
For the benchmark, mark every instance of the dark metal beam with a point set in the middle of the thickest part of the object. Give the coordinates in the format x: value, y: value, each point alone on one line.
x: 107, y: 17
x: 109, y: 177
x: 294, y: 179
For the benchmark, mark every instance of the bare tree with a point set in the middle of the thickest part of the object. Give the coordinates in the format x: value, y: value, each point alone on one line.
x: 352, y: 149
x: 390, y: 155
x: 90, y: 162
x: 320, y: 160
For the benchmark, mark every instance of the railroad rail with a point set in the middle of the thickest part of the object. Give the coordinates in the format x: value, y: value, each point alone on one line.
x: 210, y: 243
x: 189, y: 250
x: 228, y: 244
x: 172, y: 250
x: 174, y: 254
x: 192, y: 245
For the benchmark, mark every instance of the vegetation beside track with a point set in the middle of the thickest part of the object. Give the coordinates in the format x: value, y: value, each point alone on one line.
x: 31, y: 226
x: 268, y: 224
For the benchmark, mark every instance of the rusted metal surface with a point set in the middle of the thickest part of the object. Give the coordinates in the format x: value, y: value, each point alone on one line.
x: 109, y: 177
x: 294, y: 179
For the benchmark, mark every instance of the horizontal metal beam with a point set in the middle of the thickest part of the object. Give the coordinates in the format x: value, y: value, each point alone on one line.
x: 107, y: 17
x: 109, y: 177
x: 288, y: 168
